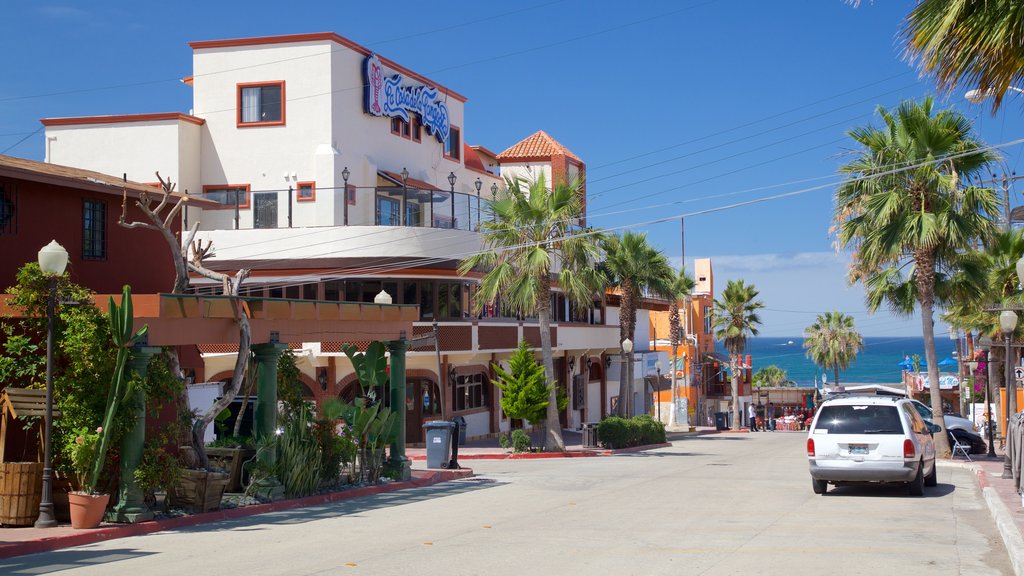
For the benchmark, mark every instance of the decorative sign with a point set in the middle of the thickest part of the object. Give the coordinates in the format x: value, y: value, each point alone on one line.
x: 385, y: 96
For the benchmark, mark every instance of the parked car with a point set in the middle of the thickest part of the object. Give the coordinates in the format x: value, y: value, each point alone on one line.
x: 856, y: 439
x: 958, y: 428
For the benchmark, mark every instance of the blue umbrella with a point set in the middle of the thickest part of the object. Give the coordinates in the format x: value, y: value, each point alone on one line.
x: 907, y: 364
x: 947, y: 362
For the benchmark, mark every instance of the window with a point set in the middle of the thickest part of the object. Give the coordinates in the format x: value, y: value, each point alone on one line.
x: 8, y: 209
x: 707, y: 319
x: 470, y: 392
x: 261, y: 104
x: 306, y: 192
x: 228, y: 194
x: 333, y: 290
x: 453, y: 148
x: 309, y: 291
x: 417, y: 129
x: 94, y: 230
x: 867, y: 419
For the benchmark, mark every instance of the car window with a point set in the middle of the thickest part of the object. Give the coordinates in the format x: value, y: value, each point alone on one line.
x: 859, y: 419
x: 922, y: 410
x: 916, y: 423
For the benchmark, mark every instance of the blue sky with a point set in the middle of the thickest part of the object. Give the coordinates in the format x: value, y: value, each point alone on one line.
x: 676, y: 106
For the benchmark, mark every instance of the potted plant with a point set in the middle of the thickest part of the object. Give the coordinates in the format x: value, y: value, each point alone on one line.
x: 87, y: 506
x: 229, y: 453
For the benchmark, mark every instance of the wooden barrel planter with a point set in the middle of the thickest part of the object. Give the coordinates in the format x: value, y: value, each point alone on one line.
x: 230, y: 460
x: 21, y: 489
x: 198, y: 490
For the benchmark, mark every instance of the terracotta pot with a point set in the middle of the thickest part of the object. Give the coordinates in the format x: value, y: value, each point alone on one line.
x: 87, y: 509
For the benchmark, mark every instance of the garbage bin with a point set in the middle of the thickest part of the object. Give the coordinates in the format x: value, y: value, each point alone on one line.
x: 590, y: 434
x: 462, y: 429
x: 439, y: 438
x: 721, y: 420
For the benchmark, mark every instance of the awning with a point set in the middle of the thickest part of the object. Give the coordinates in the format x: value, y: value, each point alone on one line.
x: 410, y: 183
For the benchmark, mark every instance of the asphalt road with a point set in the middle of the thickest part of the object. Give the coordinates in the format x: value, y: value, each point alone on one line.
x: 711, y: 505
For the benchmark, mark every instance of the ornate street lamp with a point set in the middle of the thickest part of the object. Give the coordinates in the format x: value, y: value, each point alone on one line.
x: 344, y: 177
x: 627, y: 353
x: 405, y: 194
x: 494, y: 198
x: 451, y: 181
x: 53, y: 259
x: 1007, y: 323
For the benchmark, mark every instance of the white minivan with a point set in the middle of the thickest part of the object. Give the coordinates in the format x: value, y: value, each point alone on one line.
x: 871, y: 439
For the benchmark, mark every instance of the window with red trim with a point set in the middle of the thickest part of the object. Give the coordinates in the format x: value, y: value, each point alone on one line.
x: 261, y: 104
x: 228, y: 194
x: 305, y: 191
x: 453, y: 148
x: 416, y: 128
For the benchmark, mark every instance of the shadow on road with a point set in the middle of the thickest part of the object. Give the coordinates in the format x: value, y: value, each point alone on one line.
x: 68, y: 559
x: 886, y: 491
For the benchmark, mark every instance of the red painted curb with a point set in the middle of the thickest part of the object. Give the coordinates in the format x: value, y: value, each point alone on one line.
x: 539, y: 455
x: 47, y: 544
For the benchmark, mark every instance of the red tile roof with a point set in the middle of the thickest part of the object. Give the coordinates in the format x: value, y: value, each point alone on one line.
x: 536, y: 147
x: 472, y: 159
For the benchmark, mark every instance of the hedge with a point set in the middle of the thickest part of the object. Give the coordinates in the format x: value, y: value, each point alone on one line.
x: 615, y: 432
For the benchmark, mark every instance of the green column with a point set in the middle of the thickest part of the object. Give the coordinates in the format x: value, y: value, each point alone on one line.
x: 131, y: 506
x: 398, y: 349
x: 266, y: 394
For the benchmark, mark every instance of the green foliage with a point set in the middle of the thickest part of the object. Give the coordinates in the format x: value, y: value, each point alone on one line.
x: 298, y: 455
x: 81, y: 451
x: 521, y: 441
x: 372, y: 425
x: 524, y: 393
x: 615, y: 432
x: 122, y: 333
x: 770, y: 376
x: 232, y: 442
x: 289, y: 384
x: 159, y: 470
x: 370, y: 366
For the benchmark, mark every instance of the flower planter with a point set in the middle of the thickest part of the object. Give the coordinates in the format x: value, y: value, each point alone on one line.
x: 198, y: 490
x: 21, y: 490
x: 87, y: 509
x: 230, y: 460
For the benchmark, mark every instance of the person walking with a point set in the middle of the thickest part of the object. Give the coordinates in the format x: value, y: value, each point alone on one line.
x: 752, y: 417
x: 769, y: 415
x: 760, y: 418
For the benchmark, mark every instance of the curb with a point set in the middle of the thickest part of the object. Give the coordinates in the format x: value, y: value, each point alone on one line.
x: 1008, y: 530
x: 427, y: 478
x: 545, y: 455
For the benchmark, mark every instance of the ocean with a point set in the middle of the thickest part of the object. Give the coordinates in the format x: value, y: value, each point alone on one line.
x: 877, y: 363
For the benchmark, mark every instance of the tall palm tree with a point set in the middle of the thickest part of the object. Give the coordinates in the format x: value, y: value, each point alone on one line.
x: 833, y: 342
x: 679, y: 287
x: 633, y: 266
x: 533, y: 231
x: 904, y: 206
x: 968, y: 41
x: 735, y: 319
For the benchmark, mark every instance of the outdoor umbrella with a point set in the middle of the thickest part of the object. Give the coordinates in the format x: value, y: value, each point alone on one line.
x: 946, y: 362
x: 907, y: 364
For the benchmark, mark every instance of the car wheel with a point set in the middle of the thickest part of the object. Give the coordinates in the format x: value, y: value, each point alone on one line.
x: 916, y: 486
x: 819, y: 486
x: 933, y: 477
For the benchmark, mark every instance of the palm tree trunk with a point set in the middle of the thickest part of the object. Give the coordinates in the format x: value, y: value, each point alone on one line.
x: 735, y: 380
x: 836, y: 372
x: 627, y: 324
x: 553, y: 441
x: 928, y: 331
x: 995, y: 372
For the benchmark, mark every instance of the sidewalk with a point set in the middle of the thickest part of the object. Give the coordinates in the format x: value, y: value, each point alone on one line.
x: 1003, y: 501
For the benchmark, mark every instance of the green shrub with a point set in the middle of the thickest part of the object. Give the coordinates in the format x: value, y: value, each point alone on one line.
x: 520, y: 441
x: 615, y: 432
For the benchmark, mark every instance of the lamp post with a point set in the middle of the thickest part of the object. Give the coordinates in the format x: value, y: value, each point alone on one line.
x: 1007, y: 323
x: 53, y: 258
x: 344, y: 177
x: 494, y: 198
x: 657, y: 368
x: 979, y: 96
x: 478, y: 184
x: 405, y: 194
x: 451, y: 181
x: 627, y: 353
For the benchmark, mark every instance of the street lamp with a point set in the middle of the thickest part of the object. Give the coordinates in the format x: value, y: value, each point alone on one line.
x: 1007, y: 323
x: 451, y: 181
x: 979, y: 96
x: 478, y: 184
x: 657, y: 368
x: 405, y: 195
x: 627, y: 351
x: 53, y: 258
x: 494, y: 198
x: 344, y: 176
x: 382, y: 297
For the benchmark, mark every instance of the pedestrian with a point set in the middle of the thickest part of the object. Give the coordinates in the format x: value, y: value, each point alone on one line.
x: 760, y: 417
x: 769, y: 414
x: 752, y: 417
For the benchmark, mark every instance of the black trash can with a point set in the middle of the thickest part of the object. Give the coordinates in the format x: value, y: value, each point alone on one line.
x: 462, y: 429
x: 721, y: 420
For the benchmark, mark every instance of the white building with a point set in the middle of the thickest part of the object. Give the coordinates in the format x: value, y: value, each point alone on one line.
x: 341, y: 174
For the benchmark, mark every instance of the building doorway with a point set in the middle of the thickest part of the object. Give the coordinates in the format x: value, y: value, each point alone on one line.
x: 422, y: 404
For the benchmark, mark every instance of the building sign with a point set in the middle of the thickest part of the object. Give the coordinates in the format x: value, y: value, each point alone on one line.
x: 385, y: 96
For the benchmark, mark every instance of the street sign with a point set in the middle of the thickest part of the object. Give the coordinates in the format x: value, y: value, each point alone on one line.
x: 1018, y: 373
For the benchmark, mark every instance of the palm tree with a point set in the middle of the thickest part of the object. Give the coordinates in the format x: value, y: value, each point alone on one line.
x: 735, y: 319
x: 968, y: 41
x: 771, y: 376
x: 633, y: 266
x: 918, y: 217
x: 533, y: 229
x: 832, y: 342
x: 679, y: 286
